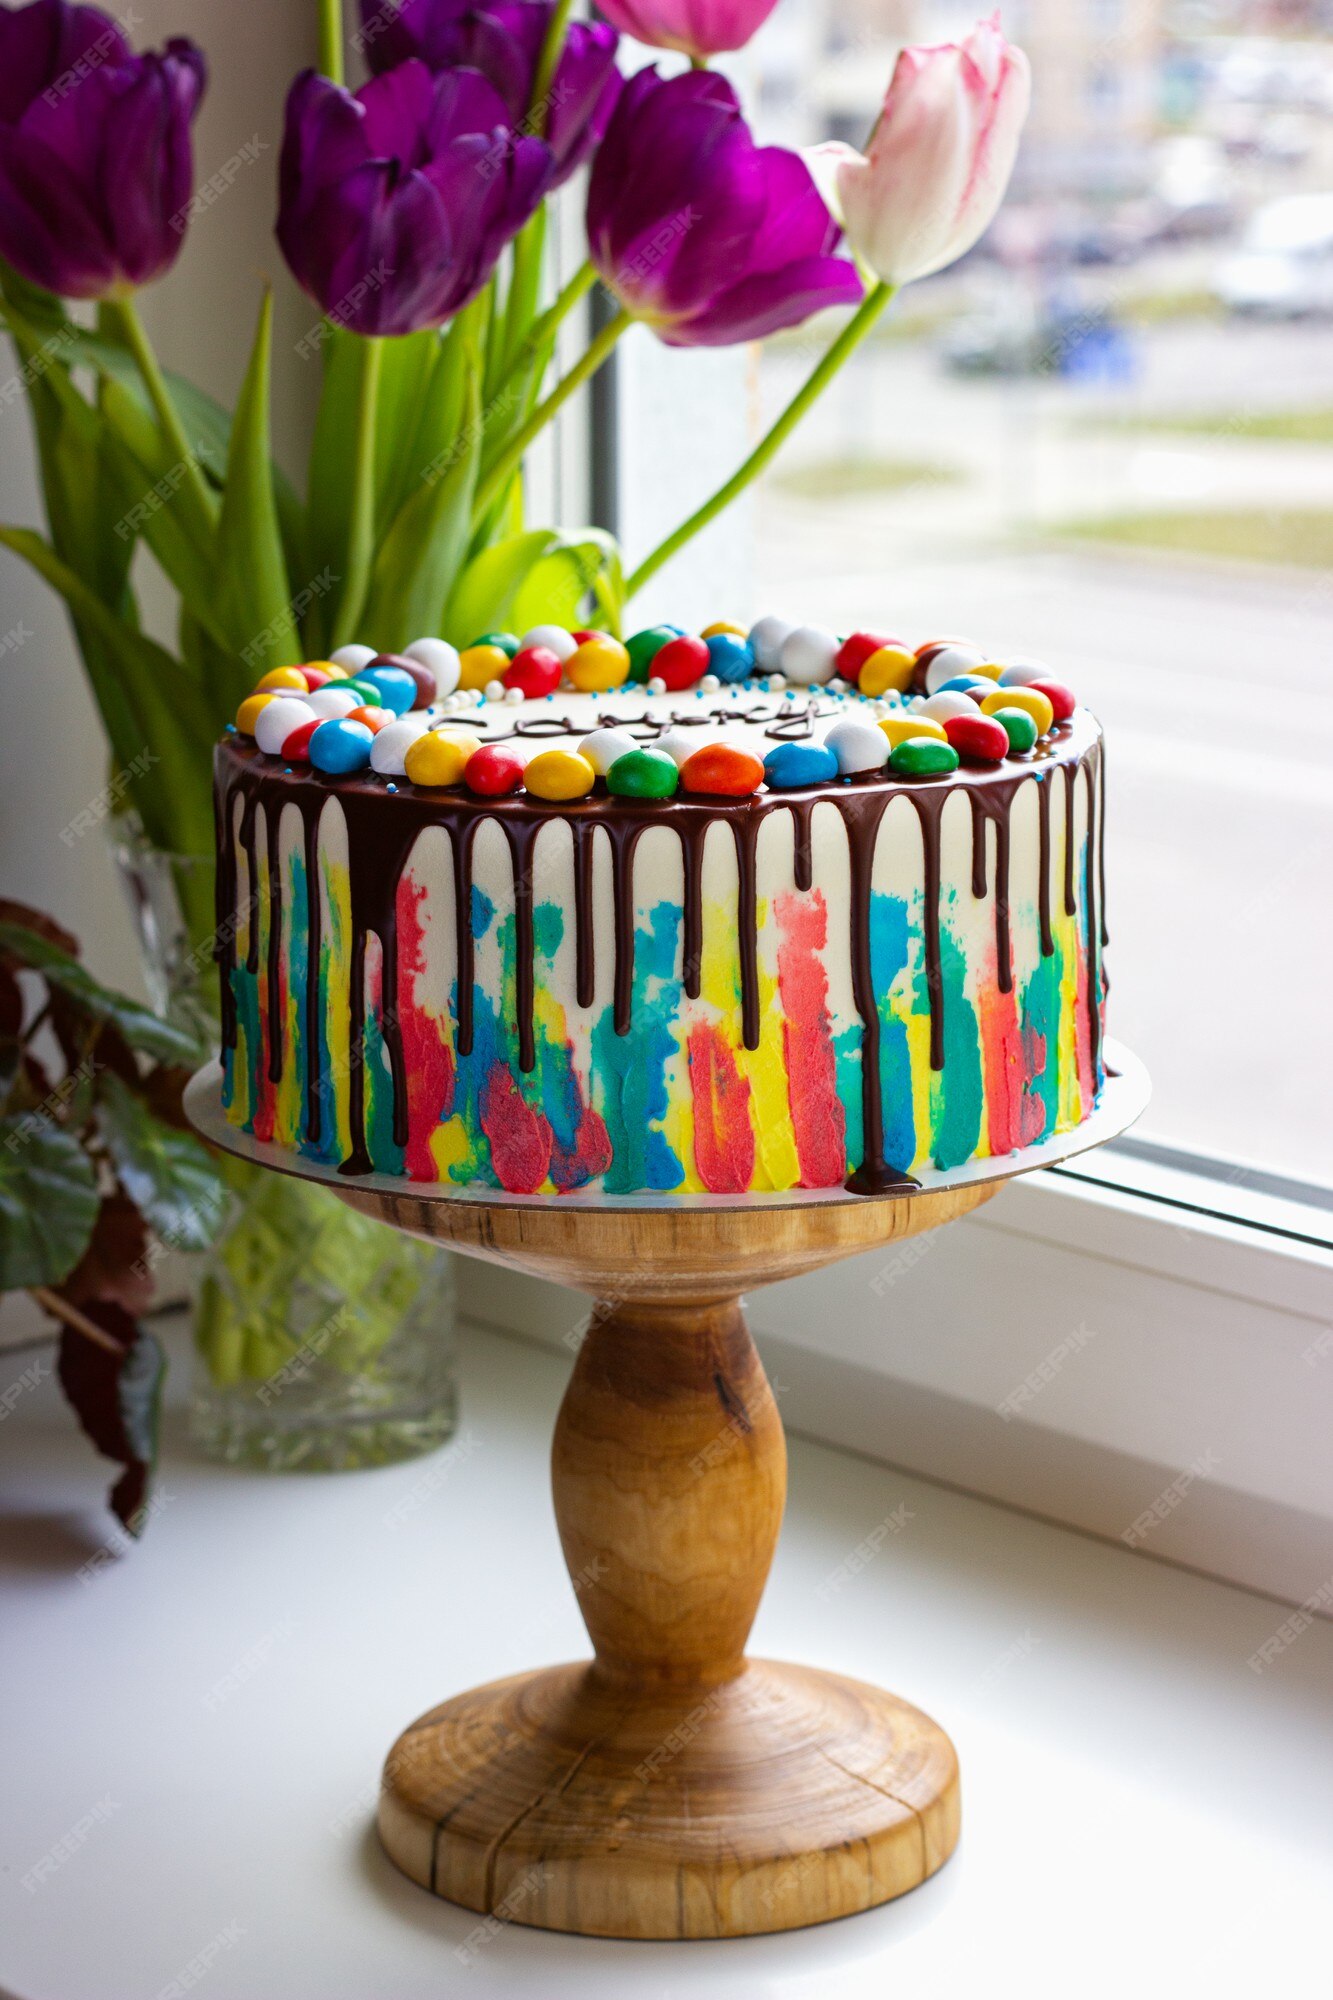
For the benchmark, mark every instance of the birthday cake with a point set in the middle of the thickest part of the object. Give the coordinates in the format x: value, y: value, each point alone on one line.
x: 715, y: 913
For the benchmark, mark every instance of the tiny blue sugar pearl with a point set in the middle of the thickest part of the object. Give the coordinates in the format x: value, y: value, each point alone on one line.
x: 339, y: 746
x: 730, y: 657
x: 793, y: 764
x: 396, y: 690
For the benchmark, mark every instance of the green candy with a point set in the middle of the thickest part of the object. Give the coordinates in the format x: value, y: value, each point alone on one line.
x: 924, y: 757
x: 1017, y: 725
x: 371, y: 696
x: 643, y: 774
x: 506, y: 641
x: 644, y: 648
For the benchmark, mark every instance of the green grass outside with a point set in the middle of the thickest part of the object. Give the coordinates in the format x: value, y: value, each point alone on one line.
x: 842, y: 478
x: 1313, y: 426
x: 1296, y: 535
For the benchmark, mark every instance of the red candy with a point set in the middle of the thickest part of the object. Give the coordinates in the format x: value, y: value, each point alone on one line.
x: 1058, y: 695
x: 296, y: 747
x: 535, y: 671
x: 582, y: 638
x: 853, y: 653
x: 495, y: 769
x: 680, y: 663
x: 374, y: 718
x: 722, y: 769
x: 978, y: 736
x: 315, y: 677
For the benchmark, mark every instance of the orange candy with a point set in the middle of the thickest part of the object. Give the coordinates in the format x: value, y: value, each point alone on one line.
x: 722, y: 769
x: 374, y: 718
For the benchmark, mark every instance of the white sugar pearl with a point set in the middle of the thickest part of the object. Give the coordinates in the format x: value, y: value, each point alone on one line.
x: 554, y: 637
x: 495, y: 690
x: 766, y: 639
x: 775, y: 683
x: 678, y: 744
x: 388, y: 753
x: 948, y: 702
x: 440, y: 657
x: 953, y: 660
x: 513, y: 697
x: 277, y: 719
x: 657, y: 685
x: 709, y: 684
x: 353, y: 657
x: 332, y: 701
x: 808, y: 655
x: 857, y: 745
x: 603, y: 747
x: 1022, y: 673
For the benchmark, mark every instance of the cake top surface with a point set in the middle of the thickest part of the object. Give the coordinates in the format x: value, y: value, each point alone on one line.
x: 723, y: 714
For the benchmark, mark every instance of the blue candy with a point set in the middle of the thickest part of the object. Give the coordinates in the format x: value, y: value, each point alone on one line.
x: 395, y: 689
x: 339, y: 746
x: 731, y: 657
x: 793, y: 764
x: 967, y: 684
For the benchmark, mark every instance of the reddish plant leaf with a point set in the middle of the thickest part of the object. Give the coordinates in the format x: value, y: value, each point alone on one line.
x: 116, y: 1398
x: 116, y: 1268
x: 37, y: 920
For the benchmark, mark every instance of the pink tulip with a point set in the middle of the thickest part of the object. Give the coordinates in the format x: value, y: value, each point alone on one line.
x: 699, y: 27
x: 939, y: 159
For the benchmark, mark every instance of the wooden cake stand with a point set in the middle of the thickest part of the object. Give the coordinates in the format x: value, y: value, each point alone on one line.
x: 671, y: 1787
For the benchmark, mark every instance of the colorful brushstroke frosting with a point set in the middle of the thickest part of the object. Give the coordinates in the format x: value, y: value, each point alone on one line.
x: 806, y: 985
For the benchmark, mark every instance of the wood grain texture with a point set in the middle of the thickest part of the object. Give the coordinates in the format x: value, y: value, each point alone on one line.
x: 669, y: 1788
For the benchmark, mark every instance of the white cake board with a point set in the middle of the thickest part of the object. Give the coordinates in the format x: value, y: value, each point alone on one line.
x: 1124, y: 1097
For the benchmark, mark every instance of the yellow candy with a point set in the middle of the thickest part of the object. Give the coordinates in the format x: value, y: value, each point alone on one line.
x: 559, y: 774
x: 331, y: 668
x: 248, y: 712
x: 281, y: 678
x: 479, y: 665
x: 992, y: 669
x: 889, y: 671
x: 598, y: 664
x: 907, y: 728
x: 437, y: 758
x: 1030, y: 700
x: 711, y: 631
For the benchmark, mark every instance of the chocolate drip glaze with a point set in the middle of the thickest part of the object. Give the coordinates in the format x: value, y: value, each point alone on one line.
x: 1071, y: 776
x: 273, y: 861
x: 382, y: 830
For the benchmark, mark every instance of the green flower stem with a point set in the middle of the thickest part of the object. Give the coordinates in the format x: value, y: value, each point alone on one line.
x: 857, y: 327
x: 511, y: 457
x: 546, y: 65
x: 543, y: 329
x: 125, y: 315
x: 361, y: 528
x: 331, y: 40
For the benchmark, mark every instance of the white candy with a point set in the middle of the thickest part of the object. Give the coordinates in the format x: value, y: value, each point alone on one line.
x: 858, y: 746
x: 603, y: 747
x: 775, y: 683
x: 1023, y: 673
x: 353, y: 657
x: 952, y: 661
x: 513, y: 697
x: 709, y: 684
x: 939, y: 707
x: 495, y: 690
x: 278, y: 718
x: 440, y: 657
x: 657, y: 685
x: 807, y: 656
x: 331, y: 701
x: 766, y: 639
x: 388, y: 753
x: 678, y: 743
x: 553, y: 637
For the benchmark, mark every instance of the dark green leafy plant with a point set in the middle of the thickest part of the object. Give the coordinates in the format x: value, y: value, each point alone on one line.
x: 98, y: 1175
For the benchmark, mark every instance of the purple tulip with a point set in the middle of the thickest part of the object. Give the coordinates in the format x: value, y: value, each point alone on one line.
x: 96, y: 162
x: 699, y: 232
x: 503, y: 39
x: 397, y: 201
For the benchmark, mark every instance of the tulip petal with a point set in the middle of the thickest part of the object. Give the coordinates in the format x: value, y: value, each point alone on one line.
x: 148, y: 162
x: 48, y: 231
x: 52, y: 47
x: 769, y: 301
x: 397, y: 109
x: 698, y: 27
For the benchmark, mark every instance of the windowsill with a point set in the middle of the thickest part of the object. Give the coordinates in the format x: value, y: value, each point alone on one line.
x: 1088, y: 1694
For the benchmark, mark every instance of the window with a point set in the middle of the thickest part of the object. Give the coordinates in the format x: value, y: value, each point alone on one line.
x: 1106, y: 440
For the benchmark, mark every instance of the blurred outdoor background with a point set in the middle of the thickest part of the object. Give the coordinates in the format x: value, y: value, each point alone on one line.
x: 1105, y: 440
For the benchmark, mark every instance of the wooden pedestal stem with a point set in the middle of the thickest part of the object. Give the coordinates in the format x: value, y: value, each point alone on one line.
x: 670, y: 1787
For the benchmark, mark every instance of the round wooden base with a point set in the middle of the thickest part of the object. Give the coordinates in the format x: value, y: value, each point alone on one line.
x: 575, y: 1802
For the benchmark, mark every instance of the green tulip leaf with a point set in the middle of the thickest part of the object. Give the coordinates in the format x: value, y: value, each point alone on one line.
x: 255, y: 590
x: 537, y: 577
x: 48, y: 1202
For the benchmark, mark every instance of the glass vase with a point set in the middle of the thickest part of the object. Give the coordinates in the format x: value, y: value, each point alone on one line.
x: 324, y: 1340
